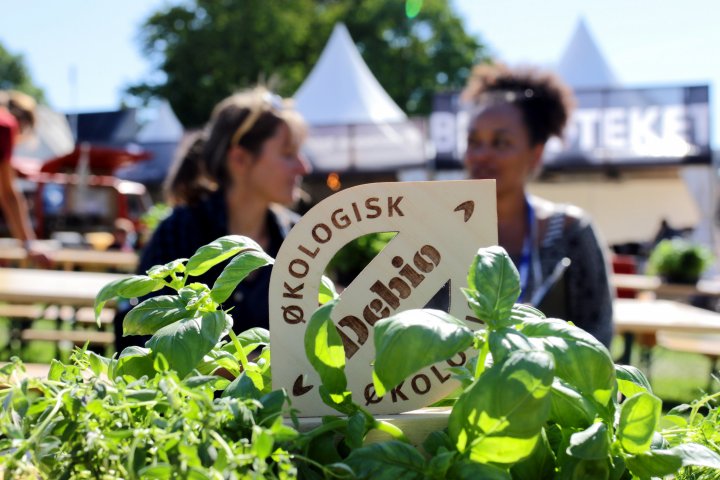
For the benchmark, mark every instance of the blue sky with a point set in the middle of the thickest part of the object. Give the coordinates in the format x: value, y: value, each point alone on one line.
x: 646, y: 42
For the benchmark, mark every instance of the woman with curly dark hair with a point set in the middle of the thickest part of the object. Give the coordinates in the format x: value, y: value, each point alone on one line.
x: 562, y: 265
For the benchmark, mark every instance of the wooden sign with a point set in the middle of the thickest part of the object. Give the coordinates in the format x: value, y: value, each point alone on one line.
x: 440, y: 226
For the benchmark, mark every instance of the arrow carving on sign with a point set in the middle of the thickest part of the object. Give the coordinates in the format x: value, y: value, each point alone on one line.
x: 468, y: 208
x: 298, y: 387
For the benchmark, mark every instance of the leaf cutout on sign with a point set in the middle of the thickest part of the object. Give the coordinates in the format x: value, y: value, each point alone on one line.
x: 355, y: 255
x: 299, y: 388
x: 467, y: 208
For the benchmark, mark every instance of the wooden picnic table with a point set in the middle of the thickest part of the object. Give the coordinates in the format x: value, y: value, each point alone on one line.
x: 57, y: 287
x: 661, y: 319
x: 71, y: 258
x: 661, y: 289
x: 650, y: 316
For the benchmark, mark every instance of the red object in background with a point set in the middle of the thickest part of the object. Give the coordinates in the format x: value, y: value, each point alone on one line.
x: 624, y: 264
x: 101, y: 160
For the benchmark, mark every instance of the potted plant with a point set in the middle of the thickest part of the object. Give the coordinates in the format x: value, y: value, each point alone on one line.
x: 678, y: 260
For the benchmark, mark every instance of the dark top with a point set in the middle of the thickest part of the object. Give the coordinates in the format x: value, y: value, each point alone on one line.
x: 188, y: 228
x: 582, y: 294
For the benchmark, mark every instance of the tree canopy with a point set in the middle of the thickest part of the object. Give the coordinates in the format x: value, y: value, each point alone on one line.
x: 204, y: 50
x: 14, y: 75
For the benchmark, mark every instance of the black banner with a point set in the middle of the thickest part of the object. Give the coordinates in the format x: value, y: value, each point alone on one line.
x: 609, y: 127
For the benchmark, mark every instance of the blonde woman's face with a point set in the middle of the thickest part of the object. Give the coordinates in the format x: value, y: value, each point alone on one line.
x: 499, y: 148
x: 275, y: 174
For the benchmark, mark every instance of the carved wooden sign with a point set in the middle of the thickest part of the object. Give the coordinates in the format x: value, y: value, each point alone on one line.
x: 440, y: 226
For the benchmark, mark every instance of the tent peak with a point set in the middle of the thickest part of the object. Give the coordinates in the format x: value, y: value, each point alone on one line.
x: 341, y: 89
x: 583, y: 64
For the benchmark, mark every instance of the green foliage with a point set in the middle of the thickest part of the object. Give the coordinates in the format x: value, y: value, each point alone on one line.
x: 14, y: 75
x: 207, y: 50
x: 349, y: 261
x: 539, y: 397
x: 679, y: 260
x: 151, y: 219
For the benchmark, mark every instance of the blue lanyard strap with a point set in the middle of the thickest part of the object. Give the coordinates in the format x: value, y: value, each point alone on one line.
x: 529, y: 259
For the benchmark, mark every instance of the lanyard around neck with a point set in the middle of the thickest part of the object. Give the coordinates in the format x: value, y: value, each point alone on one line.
x: 530, y: 257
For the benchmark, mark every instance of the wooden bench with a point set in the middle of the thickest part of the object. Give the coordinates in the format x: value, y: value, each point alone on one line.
x: 23, y: 316
x: 77, y: 337
x: 702, y: 344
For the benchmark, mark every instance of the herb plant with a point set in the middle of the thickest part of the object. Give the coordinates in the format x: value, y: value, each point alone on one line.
x: 679, y: 260
x: 538, y: 400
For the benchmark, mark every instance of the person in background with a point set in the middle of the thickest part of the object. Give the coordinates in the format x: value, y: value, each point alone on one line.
x: 236, y: 177
x: 123, y: 235
x: 17, y: 119
x: 515, y: 112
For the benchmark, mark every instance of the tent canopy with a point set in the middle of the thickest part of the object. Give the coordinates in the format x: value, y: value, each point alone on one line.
x: 355, y: 125
x: 582, y: 64
x: 341, y: 89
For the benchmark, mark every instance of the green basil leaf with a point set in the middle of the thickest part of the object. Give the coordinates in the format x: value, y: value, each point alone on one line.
x: 327, y: 292
x: 160, y: 272
x: 504, y: 341
x: 389, y: 460
x: 218, y: 251
x: 639, y: 417
x: 130, y: 287
x: 341, y: 401
x: 153, y: 314
x: 325, y: 351
x: 252, y: 336
x: 580, y: 359
x: 499, y: 418
x: 135, y: 362
x: 399, y: 338
x: 242, y: 388
x: 631, y: 380
x: 468, y: 470
x: 436, y: 441
x: 185, y: 342
x: 196, y: 296
x: 272, y: 405
x: 581, y: 469
x: 540, y: 463
x: 590, y: 444
x: 439, y: 464
x: 569, y: 407
x: 522, y: 312
x: 493, y: 287
x: 356, y: 430
x: 236, y: 271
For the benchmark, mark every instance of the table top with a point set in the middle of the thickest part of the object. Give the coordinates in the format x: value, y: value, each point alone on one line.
x: 650, y: 283
x: 19, y: 285
x: 649, y: 316
x: 69, y: 258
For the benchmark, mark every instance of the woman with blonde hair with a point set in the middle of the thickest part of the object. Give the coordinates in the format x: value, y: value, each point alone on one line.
x: 238, y: 176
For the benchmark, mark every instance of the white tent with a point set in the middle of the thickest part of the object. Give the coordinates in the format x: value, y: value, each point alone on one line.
x: 582, y: 64
x: 160, y: 136
x: 164, y: 126
x: 355, y: 125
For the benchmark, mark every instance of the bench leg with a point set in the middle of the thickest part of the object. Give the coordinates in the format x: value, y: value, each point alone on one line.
x: 714, y: 374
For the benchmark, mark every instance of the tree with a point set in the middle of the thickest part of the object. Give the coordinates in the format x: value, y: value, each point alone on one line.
x: 14, y: 75
x: 207, y: 49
